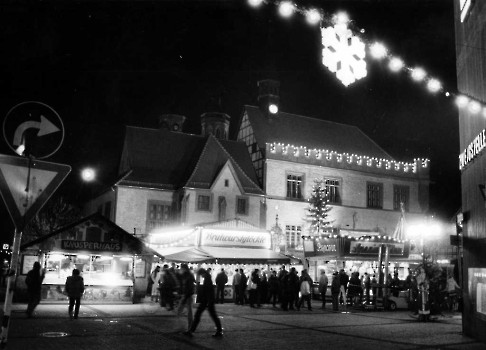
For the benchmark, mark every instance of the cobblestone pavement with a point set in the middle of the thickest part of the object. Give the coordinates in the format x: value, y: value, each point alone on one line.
x: 147, y: 325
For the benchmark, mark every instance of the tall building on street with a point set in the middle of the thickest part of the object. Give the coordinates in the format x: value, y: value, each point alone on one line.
x: 470, y: 24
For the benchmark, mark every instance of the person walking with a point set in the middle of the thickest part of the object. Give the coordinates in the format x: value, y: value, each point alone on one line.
x: 206, y: 302
x: 187, y: 291
x: 221, y: 280
x: 335, y: 289
x: 34, y: 285
x: 273, y: 283
x: 74, y: 288
x: 236, y: 286
x: 323, y: 281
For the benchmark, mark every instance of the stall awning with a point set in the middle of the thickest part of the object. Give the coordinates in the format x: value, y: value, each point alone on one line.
x: 189, y: 255
x: 228, y: 255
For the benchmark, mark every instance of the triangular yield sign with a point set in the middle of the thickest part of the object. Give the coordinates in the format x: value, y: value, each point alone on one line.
x: 27, y: 184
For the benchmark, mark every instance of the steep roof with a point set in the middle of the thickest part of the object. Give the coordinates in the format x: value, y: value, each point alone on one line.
x: 312, y: 133
x: 171, y: 160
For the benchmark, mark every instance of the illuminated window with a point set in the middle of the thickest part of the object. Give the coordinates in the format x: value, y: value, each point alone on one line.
x: 293, y: 234
x: 375, y: 195
x: 159, y: 214
x: 245, y: 134
x: 294, y: 186
x: 401, y: 195
x: 332, y: 190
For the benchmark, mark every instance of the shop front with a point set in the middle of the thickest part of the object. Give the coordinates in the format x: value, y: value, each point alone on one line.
x: 228, y: 245
x: 113, y: 263
x: 379, y: 256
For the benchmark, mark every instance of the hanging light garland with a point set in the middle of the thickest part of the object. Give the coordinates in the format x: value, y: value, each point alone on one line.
x: 329, y: 25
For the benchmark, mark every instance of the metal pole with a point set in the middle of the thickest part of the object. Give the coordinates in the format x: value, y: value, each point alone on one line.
x: 12, y: 277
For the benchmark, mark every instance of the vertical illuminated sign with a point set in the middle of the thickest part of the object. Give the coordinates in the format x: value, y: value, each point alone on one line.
x: 465, y: 6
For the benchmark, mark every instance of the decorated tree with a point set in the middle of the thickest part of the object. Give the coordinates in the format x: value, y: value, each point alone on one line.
x: 318, y: 210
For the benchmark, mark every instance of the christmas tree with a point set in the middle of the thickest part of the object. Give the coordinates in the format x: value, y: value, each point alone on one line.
x: 317, y: 212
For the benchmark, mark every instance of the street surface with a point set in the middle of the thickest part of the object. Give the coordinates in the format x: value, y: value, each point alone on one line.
x: 148, y: 326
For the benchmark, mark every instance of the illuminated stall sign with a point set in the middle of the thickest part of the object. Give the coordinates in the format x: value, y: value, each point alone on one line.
x: 373, y: 248
x: 472, y: 150
x: 344, y: 247
x: 91, y: 246
x: 242, y: 239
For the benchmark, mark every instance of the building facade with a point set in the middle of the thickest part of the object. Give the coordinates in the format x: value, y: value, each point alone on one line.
x: 470, y: 24
x: 365, y: 185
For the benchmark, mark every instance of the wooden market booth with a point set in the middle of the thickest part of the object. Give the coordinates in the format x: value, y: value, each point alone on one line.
x: 114, y: 263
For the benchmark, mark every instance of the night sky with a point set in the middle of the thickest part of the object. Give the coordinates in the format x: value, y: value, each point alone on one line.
x: 106, y: 64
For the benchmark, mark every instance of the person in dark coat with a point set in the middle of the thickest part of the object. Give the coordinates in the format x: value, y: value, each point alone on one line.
x: 74, y: 288
x: 187, y: 291
x: 306, y: 284
x: 243, y: 285
x: 335, y: 289
x: 206, y: 302
x: 34, y: 285
x: 284, y: 292
x: 254, y: 292
x: 221, y: 280
x: 294, y: 288
x: 273, y: 283
x: 343, y: 280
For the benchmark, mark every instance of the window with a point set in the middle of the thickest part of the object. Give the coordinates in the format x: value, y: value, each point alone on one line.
x: 400, y: 195
x: 294, y: 186
x: 242, y: 205
x: 203, y: 202
x: 293, y: 234
x: 226, y: 183
x: 332, y: 190
x: 375, y: 195
x: 159, y: 215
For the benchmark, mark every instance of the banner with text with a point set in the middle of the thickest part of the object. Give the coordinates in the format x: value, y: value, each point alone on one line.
x: 242, y: 239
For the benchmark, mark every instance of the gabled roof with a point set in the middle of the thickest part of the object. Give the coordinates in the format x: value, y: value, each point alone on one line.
x: 139, y: 247
x: 171, y: 160
x: 212, y: 161
x: 312, y: 133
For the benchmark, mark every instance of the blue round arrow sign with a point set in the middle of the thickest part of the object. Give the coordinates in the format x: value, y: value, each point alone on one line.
x: 33, y: 129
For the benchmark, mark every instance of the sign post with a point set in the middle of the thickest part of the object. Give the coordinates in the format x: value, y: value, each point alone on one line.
x: 31, y: 129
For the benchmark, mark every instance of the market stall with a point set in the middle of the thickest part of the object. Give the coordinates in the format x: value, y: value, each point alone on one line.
x: 113, y: 263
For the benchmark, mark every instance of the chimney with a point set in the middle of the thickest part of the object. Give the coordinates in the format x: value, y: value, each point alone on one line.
x: 269, y: 97
x: 171, y: 122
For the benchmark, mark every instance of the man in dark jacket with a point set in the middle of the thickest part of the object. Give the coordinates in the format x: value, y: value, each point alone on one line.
x: 243, y: 285
x: 206, y: 301
x: 221, y: 280
x: 273, y: 283
x: 343, y: 280
x: 294, y: 288
x: 34, y: 285
x: 74, y: 288
x: 335, y: 289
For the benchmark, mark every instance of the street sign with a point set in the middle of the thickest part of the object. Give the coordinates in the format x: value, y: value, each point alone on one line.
x: 33, y: 129
x: 27, y: 184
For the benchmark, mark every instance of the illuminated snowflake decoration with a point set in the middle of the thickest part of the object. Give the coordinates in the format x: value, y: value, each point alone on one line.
x: 343, y: 53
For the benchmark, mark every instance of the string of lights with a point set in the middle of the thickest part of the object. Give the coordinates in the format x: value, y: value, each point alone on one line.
x: 317, y: 16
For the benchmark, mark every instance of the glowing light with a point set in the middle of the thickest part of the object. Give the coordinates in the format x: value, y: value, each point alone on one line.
x: 484, y: 112
x: 396, y: 64
x: 82, y: 256
x: 342, y: 17
x: 378, y: 51
x: 474, y: 107
x: 343, y: 53
x: 273, y: 109
x: 418, y: 74
x: 286, y: 9
x: 313, y: 16
x: 462, y: 101
x: 255, y: 3
x: 88, y: 174
x: 434, y: 85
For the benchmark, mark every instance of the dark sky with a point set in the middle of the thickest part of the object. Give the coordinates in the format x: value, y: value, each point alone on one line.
x: 106, y: 64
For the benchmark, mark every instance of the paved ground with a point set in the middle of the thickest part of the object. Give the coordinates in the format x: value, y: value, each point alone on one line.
x: 148, y: 326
